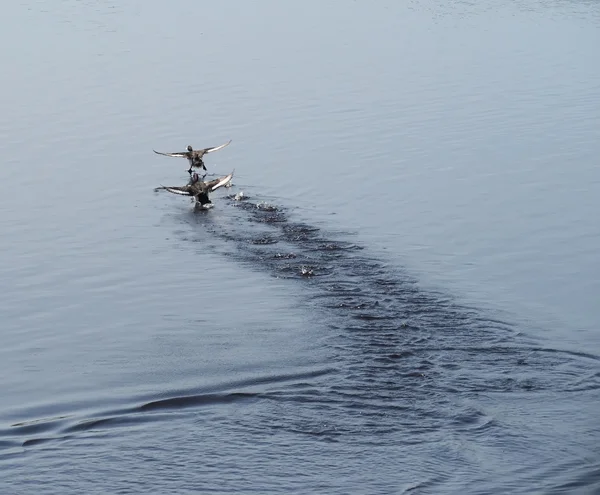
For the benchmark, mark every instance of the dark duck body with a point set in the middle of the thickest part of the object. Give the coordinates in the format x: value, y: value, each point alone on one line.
x: 193, y: 156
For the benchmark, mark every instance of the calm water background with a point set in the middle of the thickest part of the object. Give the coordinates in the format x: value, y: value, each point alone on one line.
x: 434, y: 163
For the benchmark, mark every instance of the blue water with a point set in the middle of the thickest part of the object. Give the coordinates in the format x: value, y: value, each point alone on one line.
x: 432, y: 166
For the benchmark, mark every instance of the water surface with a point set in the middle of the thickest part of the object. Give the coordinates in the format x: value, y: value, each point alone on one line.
x: 430, y: 168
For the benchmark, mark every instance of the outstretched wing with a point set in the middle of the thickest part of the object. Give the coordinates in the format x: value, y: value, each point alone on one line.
x: 181, y: 154
x: 223, y: 181
x: 183, y: 191
x: 215, y: 148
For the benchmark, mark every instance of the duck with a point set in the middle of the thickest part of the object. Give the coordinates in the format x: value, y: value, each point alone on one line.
x: 194, y: 156
x: 199, y: 189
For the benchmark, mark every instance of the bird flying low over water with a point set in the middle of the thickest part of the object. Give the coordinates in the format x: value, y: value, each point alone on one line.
x: 198, y: 188
x: 194, y: 156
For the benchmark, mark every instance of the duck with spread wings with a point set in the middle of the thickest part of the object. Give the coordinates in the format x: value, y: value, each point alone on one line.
x: 199, y: 189
x: 193, y: 156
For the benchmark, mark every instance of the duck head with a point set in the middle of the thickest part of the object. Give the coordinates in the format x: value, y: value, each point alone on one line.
x: 189, y: 148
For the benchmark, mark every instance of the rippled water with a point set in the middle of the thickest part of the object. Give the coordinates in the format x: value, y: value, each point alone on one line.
x: 403, y: 301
